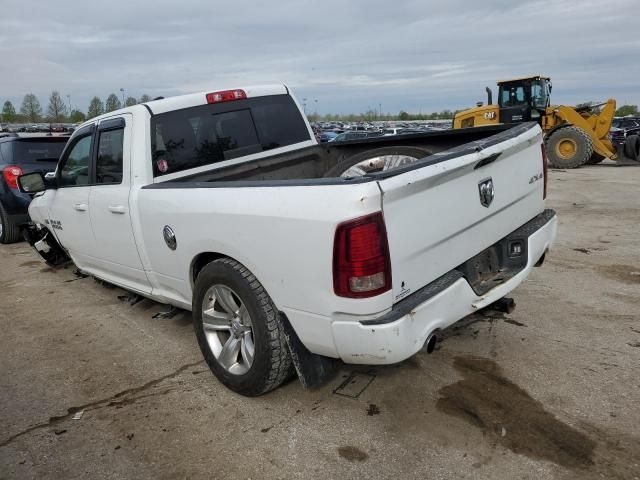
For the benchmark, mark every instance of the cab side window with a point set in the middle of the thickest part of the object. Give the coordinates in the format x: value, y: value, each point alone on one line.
x: 75, y: 168
x: 109, y: 160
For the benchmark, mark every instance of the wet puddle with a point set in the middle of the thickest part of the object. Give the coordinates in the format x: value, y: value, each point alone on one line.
x: 623, y: 273
x: 506, y: 412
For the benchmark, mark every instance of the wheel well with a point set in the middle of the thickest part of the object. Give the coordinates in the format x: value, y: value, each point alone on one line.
x: 199, y: 262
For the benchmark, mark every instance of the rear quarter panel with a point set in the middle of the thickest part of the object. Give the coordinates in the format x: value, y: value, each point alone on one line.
x: 284, y: 235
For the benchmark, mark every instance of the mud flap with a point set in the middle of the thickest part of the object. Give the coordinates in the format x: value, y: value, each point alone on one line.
x: 45, y: 244
x: 313, y: 370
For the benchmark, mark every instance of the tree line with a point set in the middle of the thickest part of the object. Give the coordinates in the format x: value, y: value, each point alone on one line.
x: 59, y: 112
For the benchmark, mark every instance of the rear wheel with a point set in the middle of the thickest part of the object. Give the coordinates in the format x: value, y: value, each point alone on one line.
x: 238, y: 329
x: 377, y: 160
x: 632, y: 147
x: 9, y: 232
x: 569, y: 147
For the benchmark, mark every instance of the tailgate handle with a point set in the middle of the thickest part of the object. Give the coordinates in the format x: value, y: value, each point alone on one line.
x: 486, y: 161
x: 116, y: 208
x: 81, y: 207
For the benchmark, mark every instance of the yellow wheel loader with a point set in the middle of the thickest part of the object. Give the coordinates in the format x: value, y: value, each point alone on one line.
x: 573, y: 136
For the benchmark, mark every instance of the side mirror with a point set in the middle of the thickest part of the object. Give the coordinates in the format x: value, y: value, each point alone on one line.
x: 31, y: 183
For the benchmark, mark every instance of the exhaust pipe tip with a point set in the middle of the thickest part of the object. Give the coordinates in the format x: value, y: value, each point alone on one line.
x: 430, y: 343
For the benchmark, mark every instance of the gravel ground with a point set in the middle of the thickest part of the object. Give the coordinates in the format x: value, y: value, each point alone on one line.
x: 92, y: 387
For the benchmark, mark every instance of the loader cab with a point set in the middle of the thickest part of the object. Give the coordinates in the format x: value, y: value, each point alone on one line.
x: 523, y: 99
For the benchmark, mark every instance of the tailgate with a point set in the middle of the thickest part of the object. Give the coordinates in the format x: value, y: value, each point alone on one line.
x: 434, y: 212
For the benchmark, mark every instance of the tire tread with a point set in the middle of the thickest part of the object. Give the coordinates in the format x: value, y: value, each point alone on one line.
x: 280, y: 365
x: 11, y: 232
x: 578, y: 161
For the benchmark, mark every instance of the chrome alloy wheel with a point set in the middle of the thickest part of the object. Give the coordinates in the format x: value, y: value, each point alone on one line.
x: 228, y: 329
x: 378, y: 164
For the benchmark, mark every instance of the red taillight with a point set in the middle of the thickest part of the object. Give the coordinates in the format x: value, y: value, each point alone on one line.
x: 11, y: 174
x: 226, y: 96
x: 361, y: 265
x: 544, y: 170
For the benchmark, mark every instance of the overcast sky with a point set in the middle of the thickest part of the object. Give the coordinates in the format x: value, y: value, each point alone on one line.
x: 417, y: 55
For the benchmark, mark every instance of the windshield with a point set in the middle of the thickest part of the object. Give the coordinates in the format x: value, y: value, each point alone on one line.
x: 539, y: 94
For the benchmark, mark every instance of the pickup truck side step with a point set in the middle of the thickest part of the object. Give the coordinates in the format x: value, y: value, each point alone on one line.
x: 313, y: 370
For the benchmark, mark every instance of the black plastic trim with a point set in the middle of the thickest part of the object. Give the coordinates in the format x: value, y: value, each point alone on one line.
x: 486, y: 161
x: 148, y: 108
x: 406, y: 305
x: 111, y: 124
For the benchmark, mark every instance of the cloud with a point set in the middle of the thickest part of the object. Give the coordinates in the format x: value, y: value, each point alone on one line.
x: 349, y: 55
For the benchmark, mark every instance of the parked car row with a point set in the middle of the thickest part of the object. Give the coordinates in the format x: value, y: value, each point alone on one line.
x: 343, y: 131
x: 36, y: 127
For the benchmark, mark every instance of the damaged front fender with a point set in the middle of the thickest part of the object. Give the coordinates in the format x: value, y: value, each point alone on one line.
x: 45, y: 244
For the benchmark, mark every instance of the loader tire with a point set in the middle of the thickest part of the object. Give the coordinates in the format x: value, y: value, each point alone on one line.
x: 569, y: 147
x: 632, y: 147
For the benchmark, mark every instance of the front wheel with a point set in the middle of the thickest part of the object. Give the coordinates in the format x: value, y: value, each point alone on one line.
x: 238, y: 329
x: 568, y: 147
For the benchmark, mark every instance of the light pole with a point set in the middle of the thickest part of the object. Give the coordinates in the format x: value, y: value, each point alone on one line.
x: 69, y: 100
x: 304, y: 105
x: 122, y: 90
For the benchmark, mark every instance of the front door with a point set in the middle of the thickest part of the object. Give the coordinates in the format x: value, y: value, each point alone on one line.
x: 69, y: 211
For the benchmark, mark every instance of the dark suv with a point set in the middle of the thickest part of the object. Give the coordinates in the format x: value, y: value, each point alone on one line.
x: 621, y: 128
x: 20, y: 155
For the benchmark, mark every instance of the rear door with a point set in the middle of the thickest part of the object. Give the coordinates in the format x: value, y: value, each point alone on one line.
x: 113, y: 244
x: 440, y: 215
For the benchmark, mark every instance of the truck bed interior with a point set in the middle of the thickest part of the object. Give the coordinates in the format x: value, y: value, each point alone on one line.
x: 315, y: 161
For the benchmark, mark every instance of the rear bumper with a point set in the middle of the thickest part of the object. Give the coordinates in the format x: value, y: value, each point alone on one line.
x: 401, y: 333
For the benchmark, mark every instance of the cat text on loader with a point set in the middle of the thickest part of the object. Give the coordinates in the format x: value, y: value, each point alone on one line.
x: 573, y: 136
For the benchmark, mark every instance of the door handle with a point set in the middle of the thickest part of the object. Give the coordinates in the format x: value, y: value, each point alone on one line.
x: 116, y: 208
x: 81, y: 207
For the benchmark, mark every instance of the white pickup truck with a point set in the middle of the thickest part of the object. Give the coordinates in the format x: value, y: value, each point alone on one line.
x: 291, y: 253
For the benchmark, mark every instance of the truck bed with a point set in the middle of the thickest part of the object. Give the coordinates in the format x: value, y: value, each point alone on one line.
x: 312, y: 163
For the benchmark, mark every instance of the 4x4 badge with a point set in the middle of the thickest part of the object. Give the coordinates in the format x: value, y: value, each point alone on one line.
x: 487, y: 192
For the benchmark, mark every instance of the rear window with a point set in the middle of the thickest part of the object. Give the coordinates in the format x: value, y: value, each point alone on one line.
x: 209, y: 134
x: 31, y: 151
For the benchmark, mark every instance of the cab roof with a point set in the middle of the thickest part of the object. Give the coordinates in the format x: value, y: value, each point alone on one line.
x: 519, y: 79
x: 189, y: 100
